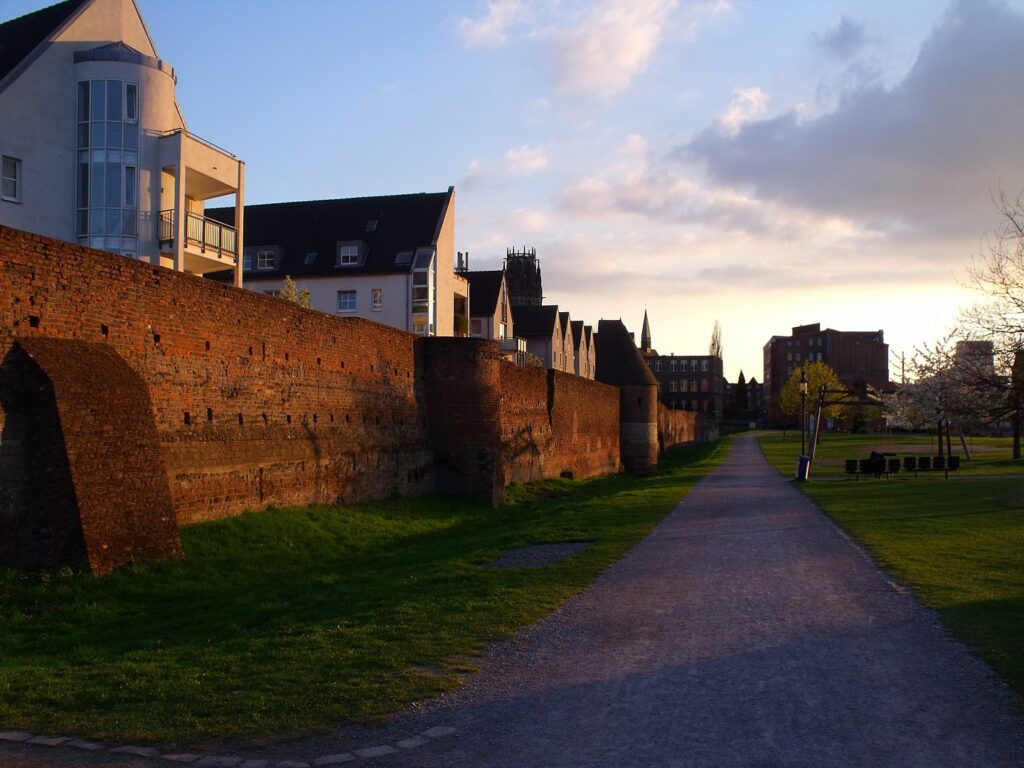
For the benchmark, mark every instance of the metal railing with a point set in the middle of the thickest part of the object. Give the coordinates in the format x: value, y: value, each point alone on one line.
x: 208, y: 234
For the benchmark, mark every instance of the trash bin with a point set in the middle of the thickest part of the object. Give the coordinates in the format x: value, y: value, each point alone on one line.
x: 803, y: 467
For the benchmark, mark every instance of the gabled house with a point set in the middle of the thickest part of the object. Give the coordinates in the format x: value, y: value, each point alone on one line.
x: 388, y: 259
x: 583, y: 349
x: 94, y: 148
x: 490, y: 314
x: 542, y: 329
x: 568, y: 348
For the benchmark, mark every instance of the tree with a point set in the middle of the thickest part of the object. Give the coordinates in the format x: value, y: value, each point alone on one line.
x: 742, y: 396
x: 289, y: 292
x: 818, y: 375
x: 715, y: 348
x: 997, y: 273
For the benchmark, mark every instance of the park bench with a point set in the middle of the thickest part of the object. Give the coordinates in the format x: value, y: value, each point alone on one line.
x: 892, y: 466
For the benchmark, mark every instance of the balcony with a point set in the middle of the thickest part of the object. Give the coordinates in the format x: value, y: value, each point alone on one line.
x: 209, y: 244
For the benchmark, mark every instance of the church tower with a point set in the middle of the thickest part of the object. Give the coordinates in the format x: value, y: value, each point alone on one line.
x: 522, y: 272
x: 645, y: 335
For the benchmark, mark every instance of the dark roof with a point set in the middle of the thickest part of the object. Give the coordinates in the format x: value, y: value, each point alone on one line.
x: 20, y: 36
x: 404, y: 223
x: 577, y: 333
x: 535, y: 322
x: 564, y: 318
x: 619, y: 362
x: 484, y: 290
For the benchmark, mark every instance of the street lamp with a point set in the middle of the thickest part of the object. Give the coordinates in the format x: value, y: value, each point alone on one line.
x: 803, y: 406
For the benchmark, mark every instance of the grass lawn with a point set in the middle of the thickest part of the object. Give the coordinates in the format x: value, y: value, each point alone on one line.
x: 293, y: 620
x: 959, y: 542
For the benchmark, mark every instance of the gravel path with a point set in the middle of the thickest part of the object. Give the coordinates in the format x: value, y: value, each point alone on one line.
x: 746, y: 630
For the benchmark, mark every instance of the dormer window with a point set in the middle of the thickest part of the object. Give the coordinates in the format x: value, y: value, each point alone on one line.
x: 310, y: 258
x: 264, y: 259
x: 371, y: 225
x: 348, y: 255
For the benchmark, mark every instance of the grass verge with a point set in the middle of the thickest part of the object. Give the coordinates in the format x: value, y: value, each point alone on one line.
x: 959, y: 542
x: 287, y: 621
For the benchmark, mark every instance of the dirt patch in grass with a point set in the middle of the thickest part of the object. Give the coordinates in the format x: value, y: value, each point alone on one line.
x: 539, y: 555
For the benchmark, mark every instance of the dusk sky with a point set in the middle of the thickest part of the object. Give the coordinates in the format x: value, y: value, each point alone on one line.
x: 766, y: 163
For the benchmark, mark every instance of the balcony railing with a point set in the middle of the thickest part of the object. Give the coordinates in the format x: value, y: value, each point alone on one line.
x: 207, y: 234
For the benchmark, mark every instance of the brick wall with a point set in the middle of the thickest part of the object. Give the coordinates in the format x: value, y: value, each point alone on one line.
x: 554, y: 423
x: 255, y: 402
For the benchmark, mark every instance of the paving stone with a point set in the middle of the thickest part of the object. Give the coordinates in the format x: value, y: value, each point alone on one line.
x: 438, y: 731
x: 415, y: 741
x: 220, y: 761
x: 383, y: 749
x: 292, y: 764
x: 48, y: 741
x: 131, y: 749
x: 343, y: 757
x: 184, y: 757
x: 90, y: 746
x: 15, y: 736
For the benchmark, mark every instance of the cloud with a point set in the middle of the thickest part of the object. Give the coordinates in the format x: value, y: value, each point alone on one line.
x: 641, y: 183
x: 475, y: 174
x: 843, y: 40
x: 915, y: 160
x: 525, y: 159
x: 609, y: 46
x: 747, y: 103
x: 492, y: 29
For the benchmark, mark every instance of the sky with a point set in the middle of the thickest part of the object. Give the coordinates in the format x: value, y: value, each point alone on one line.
x: 765, y: 164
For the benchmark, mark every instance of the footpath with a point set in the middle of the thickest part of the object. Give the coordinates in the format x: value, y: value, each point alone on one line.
x: 746, y: 630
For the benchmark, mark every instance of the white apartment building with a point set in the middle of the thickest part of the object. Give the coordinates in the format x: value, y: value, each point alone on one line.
x: 94, y: 148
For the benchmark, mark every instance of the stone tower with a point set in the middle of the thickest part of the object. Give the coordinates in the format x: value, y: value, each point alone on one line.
x: 522, y: 271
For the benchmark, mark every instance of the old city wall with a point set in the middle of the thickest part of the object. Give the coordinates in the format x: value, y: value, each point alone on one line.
x: 682, y: 427
x: 253, y: 402
x: 554, y: 423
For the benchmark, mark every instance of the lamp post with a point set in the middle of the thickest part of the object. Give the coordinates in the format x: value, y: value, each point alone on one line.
x: 803, y: 406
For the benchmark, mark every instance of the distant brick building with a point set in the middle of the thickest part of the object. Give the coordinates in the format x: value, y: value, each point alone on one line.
x: 686, y: 382
x: 857, y: 357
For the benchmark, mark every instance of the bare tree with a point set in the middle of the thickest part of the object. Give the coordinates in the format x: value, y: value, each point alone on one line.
x: 715, y: 348
x: 997, y: 273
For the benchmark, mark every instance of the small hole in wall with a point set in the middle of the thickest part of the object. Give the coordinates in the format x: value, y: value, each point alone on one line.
x: 240, y: 420
x: 156, y: 338
x: 207, y: 346
x: 347, y: 419
x: 318, y: 361
x: 264, y: 418
x: 286, y: 357
x: 33, y: 321
x: 104, y: 331
x: 264, y: 350
x: 332, y: 418
x: 314, y: 418
x: 188, y: 418
x: 209, y: 414
x: 377, y: 420
x: 639, y: 401
x: 250, y: 351
x: 342, y: 363
x: 288, y: 418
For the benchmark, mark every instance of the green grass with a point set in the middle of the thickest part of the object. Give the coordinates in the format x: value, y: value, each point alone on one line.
x: 293, y: 620
x: 959, y: 542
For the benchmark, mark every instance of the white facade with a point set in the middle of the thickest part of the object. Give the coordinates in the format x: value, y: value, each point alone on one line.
x: 89, y: 122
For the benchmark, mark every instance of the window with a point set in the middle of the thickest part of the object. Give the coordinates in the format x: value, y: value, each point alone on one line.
x: 264, y: 259
x: 371, y: 225
x: 348, y: 255
x: 657, y: 365
x: 704, y: 365
x: 403, y: 257
x: 247, y: 262
x: 672, y: 385
x: 672, y: 365
x: 131, y: 102
x: 503, y: 331
x: 377, y: 299
x: 346, y: 301
x: 310, y: 258
x: 798, y: 357
x: 789, y: 357
x: 475, y: 328
x: 11, y: 180
x: 693, y: 365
